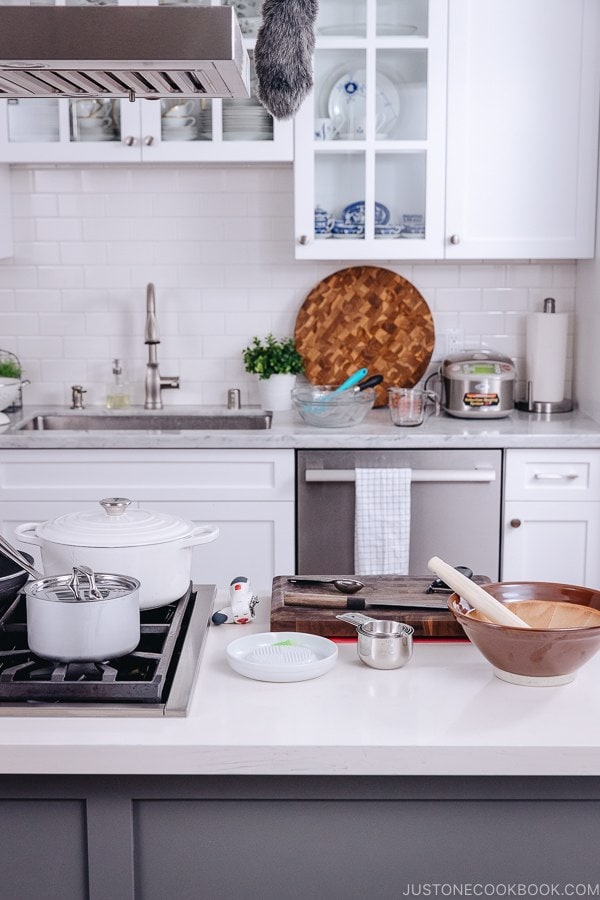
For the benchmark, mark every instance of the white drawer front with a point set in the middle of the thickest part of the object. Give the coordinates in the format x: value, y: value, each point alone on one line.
x: 552, y: 475
x: 76, y: 475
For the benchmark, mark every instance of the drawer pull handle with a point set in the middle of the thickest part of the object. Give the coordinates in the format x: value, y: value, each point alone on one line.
x: 555, y: 476
x: 515, y: 523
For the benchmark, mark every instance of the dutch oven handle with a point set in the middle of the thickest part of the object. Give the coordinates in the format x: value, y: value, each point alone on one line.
x: 201, y: 534
x: 27, y: 532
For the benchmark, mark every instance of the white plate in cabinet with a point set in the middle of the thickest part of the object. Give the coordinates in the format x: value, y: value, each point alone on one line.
x: 552, y: 475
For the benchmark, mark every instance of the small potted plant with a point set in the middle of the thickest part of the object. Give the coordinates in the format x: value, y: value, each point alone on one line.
x: 276, y: 362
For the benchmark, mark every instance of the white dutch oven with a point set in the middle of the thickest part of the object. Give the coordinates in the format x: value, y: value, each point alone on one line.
x: 154, y: 547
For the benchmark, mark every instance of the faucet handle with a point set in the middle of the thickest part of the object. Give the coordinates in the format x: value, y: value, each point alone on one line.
x: 77, y: 392
x: 169, y: 381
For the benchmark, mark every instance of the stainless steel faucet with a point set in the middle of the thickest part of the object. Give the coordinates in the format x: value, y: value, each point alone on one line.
x: 155, y: 382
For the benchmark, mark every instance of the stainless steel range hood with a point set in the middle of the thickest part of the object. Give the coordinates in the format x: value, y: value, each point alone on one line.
x: 122, y: 51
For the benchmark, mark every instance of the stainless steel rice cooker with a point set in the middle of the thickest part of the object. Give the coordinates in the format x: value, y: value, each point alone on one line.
x: 477, y: 384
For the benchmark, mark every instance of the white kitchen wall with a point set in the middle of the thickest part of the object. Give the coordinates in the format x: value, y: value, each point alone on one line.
x: 218, y: 243
x: 587, y: 331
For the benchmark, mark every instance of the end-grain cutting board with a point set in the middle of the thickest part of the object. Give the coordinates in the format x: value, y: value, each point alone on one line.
x: 410, y: 590
x: 365, y: 316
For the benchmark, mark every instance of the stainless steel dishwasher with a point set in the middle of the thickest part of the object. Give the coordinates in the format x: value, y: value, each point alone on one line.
x: 455, y: 507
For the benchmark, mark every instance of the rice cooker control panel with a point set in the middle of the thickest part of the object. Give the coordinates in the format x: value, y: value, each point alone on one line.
x: 481, y: 370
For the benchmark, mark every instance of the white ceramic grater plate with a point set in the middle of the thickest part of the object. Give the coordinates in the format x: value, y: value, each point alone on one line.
x: 282, y: 656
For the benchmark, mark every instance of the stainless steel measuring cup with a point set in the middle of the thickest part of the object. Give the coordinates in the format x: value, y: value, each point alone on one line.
x: 382, y: 643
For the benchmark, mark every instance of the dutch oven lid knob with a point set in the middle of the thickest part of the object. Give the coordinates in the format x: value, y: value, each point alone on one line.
x: 115, y: 506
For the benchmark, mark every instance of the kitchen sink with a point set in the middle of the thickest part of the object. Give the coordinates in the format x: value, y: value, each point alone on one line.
x: 151, y: 421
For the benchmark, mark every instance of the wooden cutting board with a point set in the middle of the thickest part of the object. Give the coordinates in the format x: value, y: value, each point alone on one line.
x: 406, y: 588
x: 365, y: 316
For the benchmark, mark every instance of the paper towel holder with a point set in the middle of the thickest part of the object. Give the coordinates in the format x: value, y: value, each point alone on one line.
x: 538, y: 406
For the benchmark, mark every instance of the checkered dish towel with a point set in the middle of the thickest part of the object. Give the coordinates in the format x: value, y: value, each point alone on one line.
x: 382, y: 523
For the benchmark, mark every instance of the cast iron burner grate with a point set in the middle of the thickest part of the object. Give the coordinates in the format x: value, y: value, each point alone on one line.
x: 144, y: 675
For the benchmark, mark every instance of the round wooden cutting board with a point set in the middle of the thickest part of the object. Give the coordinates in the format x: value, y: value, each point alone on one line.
x: 365, y: 316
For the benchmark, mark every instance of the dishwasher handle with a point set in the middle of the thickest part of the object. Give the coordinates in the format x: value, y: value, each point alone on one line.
x: 481, y: 475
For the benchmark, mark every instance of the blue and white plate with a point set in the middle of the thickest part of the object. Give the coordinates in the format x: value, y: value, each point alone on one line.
x: 355, y: 213
x: 346, y: 103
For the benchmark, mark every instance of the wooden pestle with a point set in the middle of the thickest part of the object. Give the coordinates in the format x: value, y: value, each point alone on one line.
x: 495, y: 611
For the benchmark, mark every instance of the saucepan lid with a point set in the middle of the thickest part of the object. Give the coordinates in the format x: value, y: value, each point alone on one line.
x: 82, y: 586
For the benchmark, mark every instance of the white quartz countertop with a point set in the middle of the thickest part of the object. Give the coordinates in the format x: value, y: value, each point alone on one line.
x: 519, y: 429
x: 443, y: 714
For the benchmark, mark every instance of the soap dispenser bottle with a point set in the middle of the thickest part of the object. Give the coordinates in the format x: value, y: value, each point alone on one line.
x: 117, y: 390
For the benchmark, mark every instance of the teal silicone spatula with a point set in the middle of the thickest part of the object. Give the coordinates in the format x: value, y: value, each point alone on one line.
x: 352, y: 380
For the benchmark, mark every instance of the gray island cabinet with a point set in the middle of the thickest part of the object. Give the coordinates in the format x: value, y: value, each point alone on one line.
x: 268, y: 838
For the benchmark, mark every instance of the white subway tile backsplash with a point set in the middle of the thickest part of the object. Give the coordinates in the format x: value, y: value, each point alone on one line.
x: 61, y: 324
x: 57, y: 180
x: 16, y: 275
x: 193, y: 324
x: 460, y: 299
x: 37, y: 252
x: 32, y: 301
x: 218, y: 243
x: 477, y: 275
x: 20, y: 323
x: 34, y: 205
x: 504, y: 299
x: 231, y: 300
x: 430, y: 275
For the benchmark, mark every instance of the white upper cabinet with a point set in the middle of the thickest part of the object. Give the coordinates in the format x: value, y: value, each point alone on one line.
x: 457, y: 129
x: 522, y: 128
x: 198, y: 130
x: 369, y: 148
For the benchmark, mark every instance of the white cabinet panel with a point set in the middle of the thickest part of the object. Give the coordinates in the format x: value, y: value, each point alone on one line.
x: 522, y: 128
x: 552, y: 475
x: 249, y: 494
x: 553, y: 542
x: 255, y: 540
x: 551, y: 522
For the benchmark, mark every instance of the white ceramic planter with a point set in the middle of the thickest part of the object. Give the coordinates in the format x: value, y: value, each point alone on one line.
x: 275, y: 392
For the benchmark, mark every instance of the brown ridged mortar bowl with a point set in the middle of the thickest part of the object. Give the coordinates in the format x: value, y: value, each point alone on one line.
x: 564, y: 631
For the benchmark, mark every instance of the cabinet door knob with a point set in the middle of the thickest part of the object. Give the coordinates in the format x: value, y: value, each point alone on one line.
x: 130, y: 141
x: 515, y: 523
x: 303, y: 240
x: 455, y: 239
x: 149, y: 140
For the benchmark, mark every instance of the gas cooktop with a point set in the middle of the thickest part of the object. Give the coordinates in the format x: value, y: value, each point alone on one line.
x: 157, y: 678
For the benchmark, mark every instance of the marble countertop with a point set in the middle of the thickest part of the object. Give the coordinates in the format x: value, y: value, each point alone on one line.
x: 519, y: 429
x: 444, y: 713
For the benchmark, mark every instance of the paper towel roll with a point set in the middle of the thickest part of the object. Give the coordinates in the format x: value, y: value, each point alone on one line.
x: 547, y: 356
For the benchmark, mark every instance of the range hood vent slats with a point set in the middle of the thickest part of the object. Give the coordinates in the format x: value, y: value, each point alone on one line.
x: 121, y: 52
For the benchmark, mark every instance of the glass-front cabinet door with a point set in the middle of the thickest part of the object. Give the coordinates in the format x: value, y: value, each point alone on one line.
x: 370, y: 138
x: 197, y: 130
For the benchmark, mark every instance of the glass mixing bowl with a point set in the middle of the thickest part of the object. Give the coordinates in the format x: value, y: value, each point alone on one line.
x: 320, y: 406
